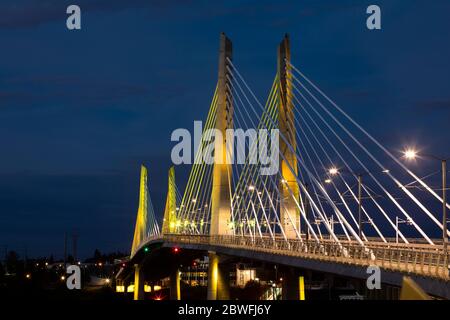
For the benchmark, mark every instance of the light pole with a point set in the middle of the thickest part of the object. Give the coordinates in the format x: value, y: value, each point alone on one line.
x: 359, y: 204
x: 397, y: 222
x: 334, y: 171
x: 412, y: 154
x: 444, y: 207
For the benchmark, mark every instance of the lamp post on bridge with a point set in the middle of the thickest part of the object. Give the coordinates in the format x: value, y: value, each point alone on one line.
x: 333, y: 171
x: 397, y: 222
x: 412, y: 154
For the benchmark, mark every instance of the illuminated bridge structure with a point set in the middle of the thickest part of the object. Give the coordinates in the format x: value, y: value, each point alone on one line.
x: 338, y: 202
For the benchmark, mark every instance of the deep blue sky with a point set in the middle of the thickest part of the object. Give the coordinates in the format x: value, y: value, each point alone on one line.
x: 81, y: 110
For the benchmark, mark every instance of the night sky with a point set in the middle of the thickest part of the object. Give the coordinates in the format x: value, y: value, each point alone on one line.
x: 81, y: 110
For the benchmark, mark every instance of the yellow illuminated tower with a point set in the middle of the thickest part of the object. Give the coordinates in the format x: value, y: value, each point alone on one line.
x: 170, y: 217
x: 140, y: 231
x: 220, y: 196
x: 289, y: 189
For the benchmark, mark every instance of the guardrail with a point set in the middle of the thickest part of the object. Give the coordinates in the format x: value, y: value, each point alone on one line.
x: 420, y: 259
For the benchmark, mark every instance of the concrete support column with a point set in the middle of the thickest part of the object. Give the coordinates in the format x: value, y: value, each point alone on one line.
x: 290, y: 285
x: 138, y: 283
x: 218, y: 279
x: 330, y: 281
x: 223, y: 284
x: 175, y: 290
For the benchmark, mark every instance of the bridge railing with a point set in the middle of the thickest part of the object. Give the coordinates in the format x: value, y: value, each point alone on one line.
x: 419, y: 259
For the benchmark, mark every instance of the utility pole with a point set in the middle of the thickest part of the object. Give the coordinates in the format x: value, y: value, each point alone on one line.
x: 396, y: 229
x: 359, y: 204
x: 65, y: 249
x: 6, y: 259
x: 74, y: 243
x: 306, y: 212
x: 444, y: 211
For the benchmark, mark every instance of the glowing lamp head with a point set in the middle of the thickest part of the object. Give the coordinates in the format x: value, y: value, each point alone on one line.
x: 328, y: 181
x: 333, y: 171
x: 410, y: 154
x: 251, y: 188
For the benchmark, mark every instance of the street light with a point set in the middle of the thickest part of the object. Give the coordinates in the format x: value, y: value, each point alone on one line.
x: 411, y: 154
x: 397, y: 222
x: 334, y: 171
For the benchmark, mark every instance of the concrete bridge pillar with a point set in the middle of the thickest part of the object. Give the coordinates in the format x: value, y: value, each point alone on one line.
x: 175, y: 290
x: 138, y: 283
x: 293, y: 285
x: 218, y: 279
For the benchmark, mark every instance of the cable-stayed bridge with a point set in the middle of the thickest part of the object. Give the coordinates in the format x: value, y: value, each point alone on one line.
x: 339, y: 201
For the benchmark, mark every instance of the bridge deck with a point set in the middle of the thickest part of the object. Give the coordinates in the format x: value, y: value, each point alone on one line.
x: 420, y: 259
